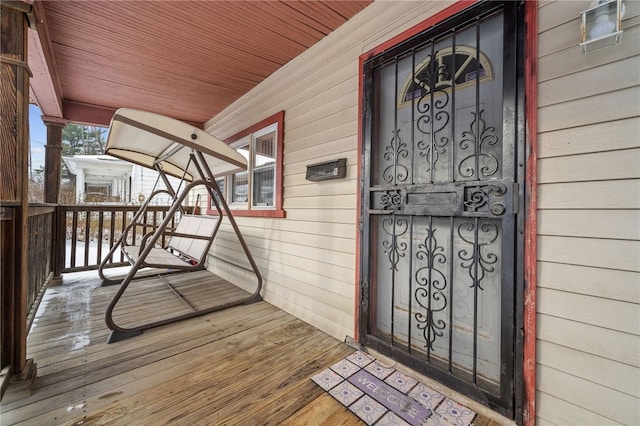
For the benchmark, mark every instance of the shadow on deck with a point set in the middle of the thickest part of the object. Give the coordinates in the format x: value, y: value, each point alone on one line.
x: 245, y: 365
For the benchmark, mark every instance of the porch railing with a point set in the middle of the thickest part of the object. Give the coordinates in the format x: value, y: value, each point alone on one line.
x: 87, y: 232
x: 68, y: 238
x: 38, y: 246
x: 40, y: 251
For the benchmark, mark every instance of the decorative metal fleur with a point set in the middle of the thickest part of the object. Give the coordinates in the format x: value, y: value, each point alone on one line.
x: 434, y: 76
x: 397, y: 149
x: 433, y: 107
x: 478, y: 261
x: 394, y: 250
x: 478, y: 138
x: 432, y: 149
x: 430, y: 293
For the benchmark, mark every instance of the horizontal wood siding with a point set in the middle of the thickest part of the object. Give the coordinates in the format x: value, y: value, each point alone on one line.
x: 309, y: 258
x: 589, y: 197
x: 588, y: 357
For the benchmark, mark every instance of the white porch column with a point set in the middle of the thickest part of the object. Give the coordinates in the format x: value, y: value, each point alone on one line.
x: 80, y: 186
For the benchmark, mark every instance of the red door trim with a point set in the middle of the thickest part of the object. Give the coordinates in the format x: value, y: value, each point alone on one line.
x: 531, y: 215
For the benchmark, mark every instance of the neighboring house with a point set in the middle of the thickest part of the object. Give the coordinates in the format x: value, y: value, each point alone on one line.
x: 360, y: 256
x: 102, y: 178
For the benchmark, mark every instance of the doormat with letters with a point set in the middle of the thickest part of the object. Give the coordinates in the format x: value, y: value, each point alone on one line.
x: 380, y: 395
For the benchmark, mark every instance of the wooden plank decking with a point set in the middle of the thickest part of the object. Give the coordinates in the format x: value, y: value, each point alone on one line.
x: 246, y: 365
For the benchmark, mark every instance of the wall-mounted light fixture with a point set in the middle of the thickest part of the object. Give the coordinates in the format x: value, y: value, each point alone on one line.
x: 601, y: 25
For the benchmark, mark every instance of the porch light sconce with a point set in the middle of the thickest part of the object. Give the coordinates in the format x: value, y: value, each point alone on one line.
x: 601, y: 25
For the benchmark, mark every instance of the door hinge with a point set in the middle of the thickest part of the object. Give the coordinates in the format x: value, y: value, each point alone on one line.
x: 364, y: 295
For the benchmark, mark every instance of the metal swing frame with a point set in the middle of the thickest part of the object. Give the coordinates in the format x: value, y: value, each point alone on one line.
x: 177, y: 147
x: 136, y: 221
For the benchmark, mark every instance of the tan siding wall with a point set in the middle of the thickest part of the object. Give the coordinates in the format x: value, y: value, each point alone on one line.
x: 588, y: 347
x: 589, y: 202
x: 308, y: 259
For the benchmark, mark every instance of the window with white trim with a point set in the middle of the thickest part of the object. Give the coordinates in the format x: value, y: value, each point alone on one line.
x: 258, y: 190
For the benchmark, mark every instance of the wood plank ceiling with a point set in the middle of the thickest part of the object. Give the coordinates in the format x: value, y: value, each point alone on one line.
x: 185, y: 59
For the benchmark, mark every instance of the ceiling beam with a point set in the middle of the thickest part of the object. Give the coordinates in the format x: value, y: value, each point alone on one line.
x: 45, y: 87
x: 94, y: 115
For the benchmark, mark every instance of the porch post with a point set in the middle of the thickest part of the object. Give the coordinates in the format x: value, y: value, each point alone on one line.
x: 52, y: 166
x: 53, y: 158
x: 14, y: 155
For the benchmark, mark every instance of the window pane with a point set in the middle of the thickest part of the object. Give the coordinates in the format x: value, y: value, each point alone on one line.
x: 240, y: 187
x: 220, y: 182
x: 264, y: 150
x: 264, y: 160
x: 263, y: 186
x: 256, y: 189
x: 240, y: 181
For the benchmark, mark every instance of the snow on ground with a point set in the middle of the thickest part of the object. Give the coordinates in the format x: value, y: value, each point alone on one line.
x: 93, y: 253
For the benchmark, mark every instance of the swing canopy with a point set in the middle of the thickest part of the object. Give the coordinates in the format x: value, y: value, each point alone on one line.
x: 151, y: 140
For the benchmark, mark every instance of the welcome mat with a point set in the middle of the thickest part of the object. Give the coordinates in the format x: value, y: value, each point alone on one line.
x: 381, y: 396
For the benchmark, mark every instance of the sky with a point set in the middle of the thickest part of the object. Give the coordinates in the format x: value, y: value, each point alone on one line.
x: 37, y: 136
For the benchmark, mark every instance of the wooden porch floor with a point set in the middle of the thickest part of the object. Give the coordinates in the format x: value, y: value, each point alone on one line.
x: 248, y: 365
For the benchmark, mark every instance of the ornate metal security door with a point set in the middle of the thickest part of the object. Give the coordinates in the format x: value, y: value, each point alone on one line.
x: 441, y: 199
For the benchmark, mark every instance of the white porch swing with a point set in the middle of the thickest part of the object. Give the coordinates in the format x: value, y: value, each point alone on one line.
x: 172, y: 147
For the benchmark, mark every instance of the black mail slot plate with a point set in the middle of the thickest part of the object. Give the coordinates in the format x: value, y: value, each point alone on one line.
x: 334, y: 169
x: 433, y: 199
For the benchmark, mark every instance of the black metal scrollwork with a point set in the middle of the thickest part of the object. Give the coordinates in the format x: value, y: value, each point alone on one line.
x: 478, y: 138
x: 476, y: 197
x: 397, y: 149
x: 391, y: 200
x: 430, y: 293
x: 433, y: 120
x: 395, y: 228
x: 477, y: 261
